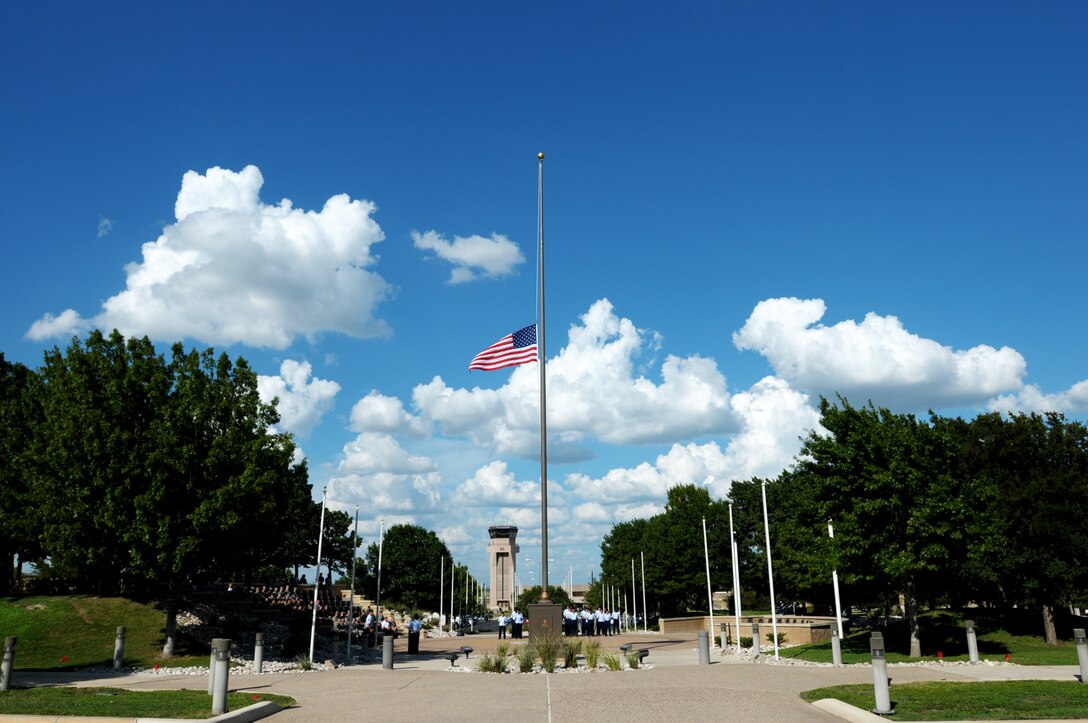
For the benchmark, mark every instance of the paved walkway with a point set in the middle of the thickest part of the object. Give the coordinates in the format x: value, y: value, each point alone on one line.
x: 675, y: 688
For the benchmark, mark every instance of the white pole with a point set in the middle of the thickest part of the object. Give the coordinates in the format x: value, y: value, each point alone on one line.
x: 709, y: 594
x: 634, y: 597
x: 320, y: 537
x: 835, y: 581
x: 351, y: 594
x: 736, y: 577
x: 770, y: 570
x: 442, y: 593
x: 645, y: 612
x: 453, y: 578
x: 381, y: 541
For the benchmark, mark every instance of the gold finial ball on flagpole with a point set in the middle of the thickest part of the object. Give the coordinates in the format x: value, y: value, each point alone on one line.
x: 540, y: 156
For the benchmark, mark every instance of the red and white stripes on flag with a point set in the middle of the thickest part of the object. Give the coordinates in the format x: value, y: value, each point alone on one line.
x: 511, y: 350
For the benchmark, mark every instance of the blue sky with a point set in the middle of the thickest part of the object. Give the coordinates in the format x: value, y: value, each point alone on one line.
x: 748, y: 205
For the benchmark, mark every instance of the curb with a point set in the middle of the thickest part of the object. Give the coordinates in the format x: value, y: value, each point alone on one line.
x: 846, y: 711
x: 243, y: 715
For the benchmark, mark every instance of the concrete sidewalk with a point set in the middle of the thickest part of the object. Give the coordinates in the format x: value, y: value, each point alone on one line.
x: 674, y: 688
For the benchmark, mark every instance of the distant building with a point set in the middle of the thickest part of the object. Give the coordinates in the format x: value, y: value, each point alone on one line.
x: 502, y: 553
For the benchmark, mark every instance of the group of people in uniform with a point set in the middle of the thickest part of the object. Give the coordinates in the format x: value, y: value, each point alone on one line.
x: 585, y: 621
x: 580, y: 621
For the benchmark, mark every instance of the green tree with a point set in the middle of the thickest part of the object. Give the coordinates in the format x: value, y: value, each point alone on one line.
x: 531, y: 596
x: 411, y: 566
x: 96, y: 451
x: 672, y: 544
x: 19, y: 416
x: 1031, y: 536
x: 152, y: 477
x: 886, y: 479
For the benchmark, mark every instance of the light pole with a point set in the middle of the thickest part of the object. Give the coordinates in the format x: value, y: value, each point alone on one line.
x: 835, y: 581
x: 381, y: 541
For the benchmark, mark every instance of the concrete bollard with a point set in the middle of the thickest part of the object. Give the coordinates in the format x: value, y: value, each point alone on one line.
x: 211, y: 669
x: 258, y: 653
x: 880, y: 676
x: 8, y: 664
x: 1078, y: 638
x: 725, y: 636
x: 119, y: 648
x: 387, y: 652
x: 222, y: 674
x: 755, y: 640
x: 972, y: 640
x: 704, y: 647
x: 836, y: 646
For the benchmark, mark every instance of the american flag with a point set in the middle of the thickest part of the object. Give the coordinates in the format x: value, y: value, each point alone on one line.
x: 511, y: 350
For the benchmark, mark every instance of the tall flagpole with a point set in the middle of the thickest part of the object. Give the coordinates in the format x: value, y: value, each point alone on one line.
x: 317, y: 587
x: 709, y: 594
x: 543, y: 390
x: 770, y: 569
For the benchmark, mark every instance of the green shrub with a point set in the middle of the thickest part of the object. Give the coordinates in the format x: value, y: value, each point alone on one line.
x: 745, y: 642
x: 593, y: 654
x: 491, y: 664
x: 632, y: 659
x: 547, y: 647
x: 572, y: 648
x: 612, y: 661
x: 526, y: 657
x: 781, y: 638
x: 502, y: 651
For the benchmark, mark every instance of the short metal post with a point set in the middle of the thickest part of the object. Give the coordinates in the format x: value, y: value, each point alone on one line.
x: 880, y: 676
x: 222, y: 671
x: 704, y: 647
x: 836, y: 646
x: 755, y: 640
x: 9, y: 662
x: 387, y: 652
x: 1078, y: 638
x: 119, y: 648
x: 725, y: 636
x: 972, y: 640
x: 258, y: 653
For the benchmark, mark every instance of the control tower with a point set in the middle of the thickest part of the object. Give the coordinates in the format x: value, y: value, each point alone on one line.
x: 502, y: 553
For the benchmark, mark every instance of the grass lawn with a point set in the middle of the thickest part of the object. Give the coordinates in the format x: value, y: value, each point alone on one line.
x: 943, y: 700
x: 942, y: 631
x: 64, y: 632
x: 123, y: 703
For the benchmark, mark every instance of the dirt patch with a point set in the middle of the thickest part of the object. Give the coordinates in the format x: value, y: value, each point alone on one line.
x: 36, y: 606
x: 82, y: 612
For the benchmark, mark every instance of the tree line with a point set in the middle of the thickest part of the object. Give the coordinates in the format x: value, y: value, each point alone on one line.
x: 126, y: 471
x: 926, y: 512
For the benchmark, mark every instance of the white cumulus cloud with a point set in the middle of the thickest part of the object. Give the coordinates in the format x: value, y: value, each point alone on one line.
x: 594, y: 392
x: 473, y: 257
x: 302, y: 401
x: 233, y: 269
x: 377, y: 412
x: 376, y: 469
x: 1032, y: 399
x: 494, y: 484
x: 66, y: 323
x: 876, y: 359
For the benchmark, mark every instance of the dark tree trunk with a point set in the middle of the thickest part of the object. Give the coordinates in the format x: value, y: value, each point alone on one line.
x: 171, y: 626
x: 912, y: 616
x: 1050, y: 632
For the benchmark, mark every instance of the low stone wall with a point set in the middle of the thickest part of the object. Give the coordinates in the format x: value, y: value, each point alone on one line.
x: 799, y: 629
